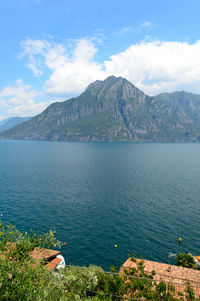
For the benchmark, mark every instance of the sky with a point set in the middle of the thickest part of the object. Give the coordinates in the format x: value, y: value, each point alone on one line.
x: 52, y: 50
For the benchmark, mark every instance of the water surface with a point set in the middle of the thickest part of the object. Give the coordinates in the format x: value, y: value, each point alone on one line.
x: 141, y: 197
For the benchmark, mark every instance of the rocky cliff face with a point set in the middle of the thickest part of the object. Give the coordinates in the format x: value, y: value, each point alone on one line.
x: 115, y: 110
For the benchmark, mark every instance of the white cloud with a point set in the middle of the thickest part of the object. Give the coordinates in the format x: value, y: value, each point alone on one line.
x: 19, y: 100
x: 146, y: 24
x: 17, y: 94
x: 55, y: 57
x: 154, y: 66
x: 34, y: 49
x: 29, y: 108
x: 159, y: 66
x: 71, y: 73
x: 31, y: 47
x: 125, y: 29
x: 75, y: 73
x: 33, y: 65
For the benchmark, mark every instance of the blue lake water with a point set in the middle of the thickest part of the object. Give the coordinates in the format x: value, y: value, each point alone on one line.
x: 142, y: 197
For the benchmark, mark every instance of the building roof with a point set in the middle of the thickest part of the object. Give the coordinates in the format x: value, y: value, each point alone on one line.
x: 177, y: 275
x: 53, y: 263
x: 43, y: 254
x: 40, y: 254
x: 166, y: 270
x: 49, y: 256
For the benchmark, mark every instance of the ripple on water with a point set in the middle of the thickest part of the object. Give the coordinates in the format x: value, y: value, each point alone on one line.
x: 140, y: 196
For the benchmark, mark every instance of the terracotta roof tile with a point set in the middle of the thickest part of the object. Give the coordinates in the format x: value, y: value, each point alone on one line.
x: 53, y: 263
x: 167, y: 272
x: 39, y: 254
x: 46, y: 254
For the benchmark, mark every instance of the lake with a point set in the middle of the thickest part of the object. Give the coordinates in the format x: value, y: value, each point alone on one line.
x: 142, y: 197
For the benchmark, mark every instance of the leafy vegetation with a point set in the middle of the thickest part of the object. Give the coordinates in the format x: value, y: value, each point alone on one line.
x: 186, y: 260
x: 22, y: 279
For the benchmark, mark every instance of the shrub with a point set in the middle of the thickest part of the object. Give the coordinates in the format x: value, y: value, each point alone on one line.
x: 19, y: 279
x: 186, y: 260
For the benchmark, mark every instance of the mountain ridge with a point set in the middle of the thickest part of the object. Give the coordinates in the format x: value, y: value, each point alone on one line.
x: 116, y: 110
x: 8, y: 123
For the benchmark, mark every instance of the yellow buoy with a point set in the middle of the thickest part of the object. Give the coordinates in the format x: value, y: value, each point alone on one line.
x: 180, y: 240
x: 115, y: 246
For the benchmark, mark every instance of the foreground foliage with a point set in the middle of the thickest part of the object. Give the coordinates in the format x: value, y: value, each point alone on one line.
x: 22, y: 279
x: 186, y: 260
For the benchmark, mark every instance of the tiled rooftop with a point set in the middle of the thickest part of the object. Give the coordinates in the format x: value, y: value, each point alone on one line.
x: 40, y: 254
x: 51, y: 265
x: 49, y: 256
x: 167, y: 272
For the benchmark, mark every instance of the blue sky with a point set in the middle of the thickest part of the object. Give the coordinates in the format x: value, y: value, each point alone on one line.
x: 51, y: 50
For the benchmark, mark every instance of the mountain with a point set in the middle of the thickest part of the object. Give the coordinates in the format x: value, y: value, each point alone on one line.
x: 115, y: 110
x: 10, y: 122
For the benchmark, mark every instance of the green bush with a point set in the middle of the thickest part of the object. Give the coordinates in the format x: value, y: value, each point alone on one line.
x: 19, y: 279
x: 186, y: 260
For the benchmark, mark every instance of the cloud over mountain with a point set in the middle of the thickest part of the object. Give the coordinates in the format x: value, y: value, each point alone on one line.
x: 153, y: 66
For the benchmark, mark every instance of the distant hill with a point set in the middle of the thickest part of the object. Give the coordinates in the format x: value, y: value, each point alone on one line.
x: 116, y: 110
x: 10, y: 122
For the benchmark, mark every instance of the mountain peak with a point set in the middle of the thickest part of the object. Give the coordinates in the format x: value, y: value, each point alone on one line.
x: 115, y: 87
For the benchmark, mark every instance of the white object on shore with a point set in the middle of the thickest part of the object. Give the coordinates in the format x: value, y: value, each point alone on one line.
x: 62, y: 263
